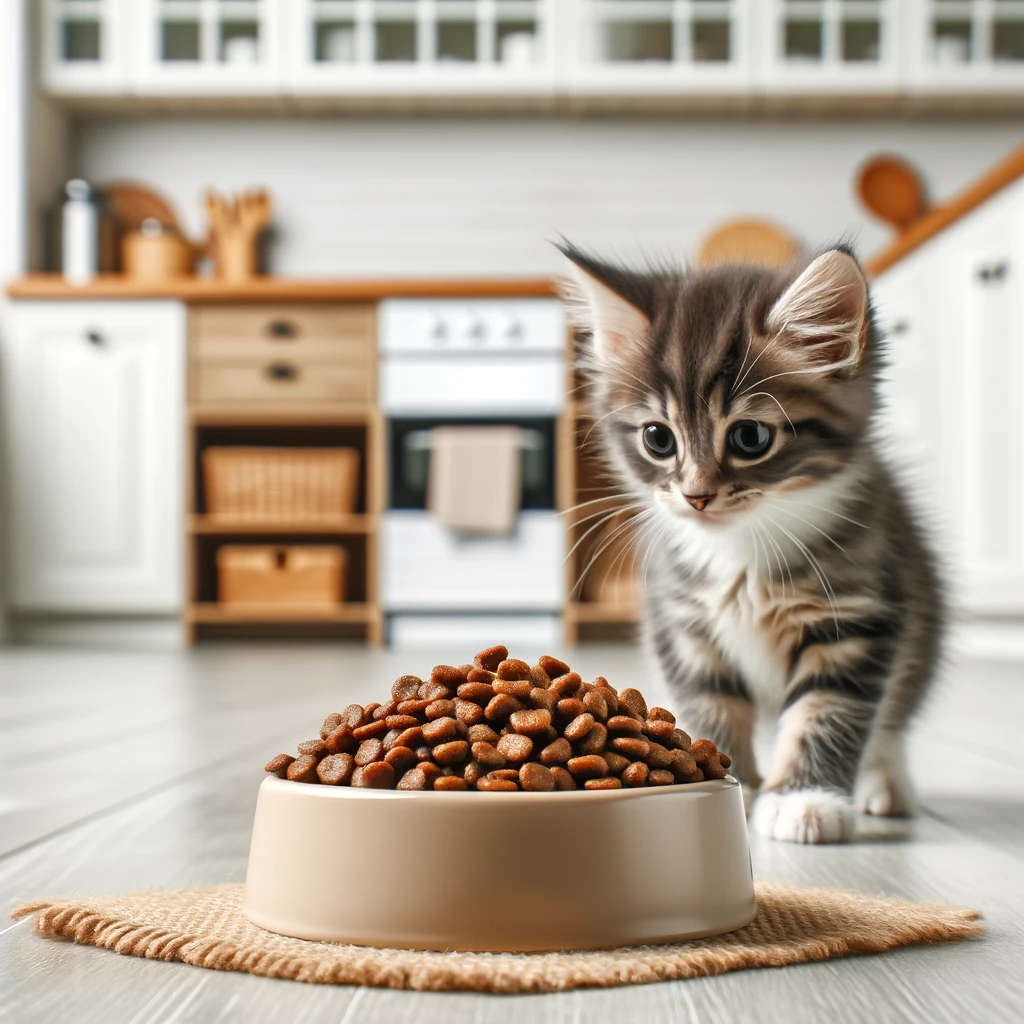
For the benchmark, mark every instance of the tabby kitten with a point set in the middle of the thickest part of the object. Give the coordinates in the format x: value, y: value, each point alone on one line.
x: 784, y: 567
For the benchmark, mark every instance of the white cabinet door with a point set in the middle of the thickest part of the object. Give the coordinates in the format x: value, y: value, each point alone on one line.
x: 94, y: 413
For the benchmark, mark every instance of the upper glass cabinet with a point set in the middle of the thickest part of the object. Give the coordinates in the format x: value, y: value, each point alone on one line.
x: 849, y: 44
x: 197, y: 46
x: 969, y: 44
x: 82, y: 45
x: 670, y: 45
x: 442, y: 45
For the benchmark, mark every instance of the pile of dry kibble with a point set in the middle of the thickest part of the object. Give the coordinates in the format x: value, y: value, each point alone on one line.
x: 501, y: 724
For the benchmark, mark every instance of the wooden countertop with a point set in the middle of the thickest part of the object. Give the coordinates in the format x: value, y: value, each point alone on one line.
x: 276, y: 289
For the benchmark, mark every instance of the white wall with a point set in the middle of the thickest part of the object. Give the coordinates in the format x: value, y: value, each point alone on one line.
x: 366, y: 196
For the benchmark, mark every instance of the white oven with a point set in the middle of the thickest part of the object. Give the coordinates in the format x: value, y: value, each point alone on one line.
x: 471, y: 362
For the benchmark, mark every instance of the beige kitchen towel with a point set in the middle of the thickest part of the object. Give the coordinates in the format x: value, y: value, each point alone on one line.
x: 474, y: 480
x: 206, y: 928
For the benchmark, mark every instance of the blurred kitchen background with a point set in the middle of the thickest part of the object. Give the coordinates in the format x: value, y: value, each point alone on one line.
x: 281, y: 351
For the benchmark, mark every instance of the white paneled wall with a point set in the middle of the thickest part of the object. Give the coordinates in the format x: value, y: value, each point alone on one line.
x: 435, y: 196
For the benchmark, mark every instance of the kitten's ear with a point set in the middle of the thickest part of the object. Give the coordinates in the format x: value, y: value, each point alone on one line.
x: 613, y: 321
x: 822, y: 317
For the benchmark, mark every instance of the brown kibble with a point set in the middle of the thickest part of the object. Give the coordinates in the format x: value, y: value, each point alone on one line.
x: 440, y: 730
x: 431, y: 771
x: 424, y: 755
x: 370, y: 730
x: 315, y: 747
x: 368, y: 711
x: 413, y: 707
x: 661, y: 715
x: 369, y: 751
x: 684, y: 767
x: 681, y: 739
x: 616, y: 762
x: 341, y: 741
x: 554, y: 667
x: 660, y: 777
x: 634, y: 701
x: 567, y: 685
x: 539, y: 677
x: 401, y: 721
x: 450, y: 782
x: 515, y: 747
x: 635, y: 775
x: 441, y: 708
x: 336, y: 769
x: 530, y: 723
x: 488, y: 755
x: 659, y: 756
x: 505, y: 774
x: 579, y: 727
x: 489, y: 785
x: 412, y: 737
x: 595, y: 703
x: 623, y: 725
x: 491, y: 658
x: 401, y: 759
x: 432, y: 691
x: 708, y: 759
x: 594, y: 741
x: 302, y: 769
x: 610, y: 699
x: 353, y: 716
x: 518, y: 688
x: 383, y: 710
x: 557, y: 752
x: 659, y: 730
x: 391, y: 738
x: 513, y: 668
x: 563, y: 779
x: 480, y: 675
x: 467, y: 711
x: 413, y: 779
x: 501, y: 706
x: 452, y: 676
x: 450, y: 754
x: 406, y: 687
x: 535, y: 778
x: 636, y: 748
x: 482, y: 733
x: 543, y: 699
x: 479, y: 693
x: 604, y: 684
x: 331, y: 722
x: 589, y: 766
x: 472, y: 771
x: 569, y: 708
x: 279, y: 765
x: 607, y: 783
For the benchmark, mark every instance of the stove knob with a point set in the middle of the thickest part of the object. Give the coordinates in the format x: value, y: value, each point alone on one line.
x: 437, y: 329
x: 473, y: 328
x: 513, y: 329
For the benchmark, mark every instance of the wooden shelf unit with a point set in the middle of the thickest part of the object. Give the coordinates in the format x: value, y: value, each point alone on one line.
x: 272, y: 422
x: 587, y: 615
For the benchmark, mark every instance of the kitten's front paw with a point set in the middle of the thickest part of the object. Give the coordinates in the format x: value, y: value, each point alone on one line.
x: 886, y: 793
x: 804, y: 816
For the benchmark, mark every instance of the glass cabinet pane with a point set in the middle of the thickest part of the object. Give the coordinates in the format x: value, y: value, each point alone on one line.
x: 803, y: 40
x: 239, y: 42
x: 710, y: 40
x: 1008, y: 40
x: 637, y: 41
x: 951, y: 40
x: 180, y: 41
x: 80, y: 41
x: 335, y: 42
x: 861, y: 40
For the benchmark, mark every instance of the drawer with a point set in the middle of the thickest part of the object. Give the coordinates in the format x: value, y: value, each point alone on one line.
x: 286, y: 381
x: 264, y: 331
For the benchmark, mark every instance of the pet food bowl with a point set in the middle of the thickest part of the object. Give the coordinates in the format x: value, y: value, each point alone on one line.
x: 499, y: 871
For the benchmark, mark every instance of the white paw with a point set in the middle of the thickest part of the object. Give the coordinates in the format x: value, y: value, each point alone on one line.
x: 885, y: 793
x: 804, y: 816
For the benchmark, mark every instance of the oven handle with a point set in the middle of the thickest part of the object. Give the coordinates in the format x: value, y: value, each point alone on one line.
x: 420, y: 440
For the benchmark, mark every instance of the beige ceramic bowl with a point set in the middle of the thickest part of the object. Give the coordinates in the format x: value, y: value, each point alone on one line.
x: 499, y: 871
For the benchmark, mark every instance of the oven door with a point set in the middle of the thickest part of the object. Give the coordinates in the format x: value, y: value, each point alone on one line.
x: 409, y: 459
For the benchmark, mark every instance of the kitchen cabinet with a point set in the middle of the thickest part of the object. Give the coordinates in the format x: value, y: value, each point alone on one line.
x: 94, y: 410
x: 954, y: 313
x: 570, y: 50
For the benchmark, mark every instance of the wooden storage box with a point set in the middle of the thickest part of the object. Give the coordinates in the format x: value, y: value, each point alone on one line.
x: 305, y: 576
x: 280, y: 484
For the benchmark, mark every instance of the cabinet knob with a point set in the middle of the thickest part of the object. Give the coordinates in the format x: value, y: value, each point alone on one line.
x: 995, y: 271
x: 282, y: 371
x: 94, y: 337
x: 282, y: 329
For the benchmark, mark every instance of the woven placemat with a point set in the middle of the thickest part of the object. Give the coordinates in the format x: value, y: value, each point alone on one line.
x: 205, y: 927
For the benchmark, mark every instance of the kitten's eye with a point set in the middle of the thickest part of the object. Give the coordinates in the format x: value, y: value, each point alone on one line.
x: 659, y: 440
x: 749, y: 438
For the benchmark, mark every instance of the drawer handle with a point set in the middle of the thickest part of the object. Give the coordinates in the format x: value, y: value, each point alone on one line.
x: 282, y: 329
x: 282, y: 371
x: 94, y: 338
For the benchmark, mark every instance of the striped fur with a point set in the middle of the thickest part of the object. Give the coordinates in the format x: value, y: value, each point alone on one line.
x: 804, y: 583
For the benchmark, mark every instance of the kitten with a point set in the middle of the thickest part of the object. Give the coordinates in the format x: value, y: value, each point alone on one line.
x: 784, y: 567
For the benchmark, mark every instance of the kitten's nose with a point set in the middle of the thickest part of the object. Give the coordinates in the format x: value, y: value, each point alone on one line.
x: 699, y: 501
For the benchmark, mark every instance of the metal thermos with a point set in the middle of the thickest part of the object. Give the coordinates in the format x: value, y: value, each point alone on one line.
x: 79, y: 233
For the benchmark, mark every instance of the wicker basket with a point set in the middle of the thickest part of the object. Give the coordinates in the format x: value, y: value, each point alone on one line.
x: 280, y: 484
x: 310, y: 576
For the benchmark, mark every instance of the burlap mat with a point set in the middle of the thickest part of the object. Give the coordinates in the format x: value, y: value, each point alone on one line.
x: 205, y: 927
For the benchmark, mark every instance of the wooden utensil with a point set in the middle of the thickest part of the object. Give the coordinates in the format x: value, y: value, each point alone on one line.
x: 235, y: 226
x: 892, y: 190
x: 131, y: 202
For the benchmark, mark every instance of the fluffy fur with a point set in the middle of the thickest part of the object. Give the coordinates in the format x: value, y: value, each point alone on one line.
x: 793, y: 577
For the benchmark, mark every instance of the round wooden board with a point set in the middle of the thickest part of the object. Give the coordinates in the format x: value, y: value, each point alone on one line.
x: 892, y: 190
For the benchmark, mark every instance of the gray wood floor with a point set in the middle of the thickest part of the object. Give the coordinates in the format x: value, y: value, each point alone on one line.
x: 130, y: 770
